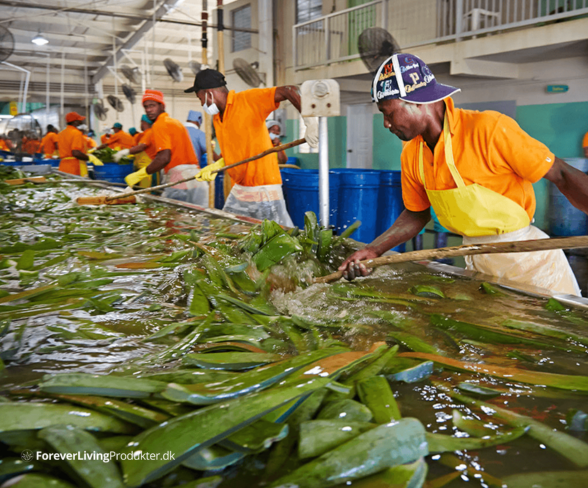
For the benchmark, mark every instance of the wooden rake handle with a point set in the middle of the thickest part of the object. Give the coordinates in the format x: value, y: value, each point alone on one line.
x: 283, y: 147
x: 468, y: 250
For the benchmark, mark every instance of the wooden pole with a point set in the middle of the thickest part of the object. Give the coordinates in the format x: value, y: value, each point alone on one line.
x: 221, y: 67
x: 468, y: 250
x: 207, y: 118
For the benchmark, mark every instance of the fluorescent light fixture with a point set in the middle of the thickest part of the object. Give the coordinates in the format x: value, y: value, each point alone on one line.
x: 39, y: 40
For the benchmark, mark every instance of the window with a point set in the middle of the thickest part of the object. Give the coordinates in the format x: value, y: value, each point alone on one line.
x: 304, y: 148
x: 308, y: 10
x: 241, y: 20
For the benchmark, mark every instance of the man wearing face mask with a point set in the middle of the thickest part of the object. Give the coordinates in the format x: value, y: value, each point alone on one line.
x: 275, y: 131
x: 239, y: 121
x: 174, y: 154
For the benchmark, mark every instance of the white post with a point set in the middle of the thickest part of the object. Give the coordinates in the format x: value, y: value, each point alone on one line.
x: 266, y: 40
x: 323, y: 172
x: 48, y: 85
x: 62, y: 88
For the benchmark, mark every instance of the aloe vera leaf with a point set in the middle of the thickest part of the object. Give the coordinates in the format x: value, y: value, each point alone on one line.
x: 554, y: 306
x: 71, y: 440
x: 269, y: 230
x: 444, y: 480
x: 547, y: 479
x: 426, y: 291
x: 376, y: 394
x: 413, y: 342
x: 11, y: 467
x: 208, y: 482
x: 368, y: 292
x: 198, y: 302
x: 255, y: 437
x: 182, y: 347
x: 545, y: 331
x: 473, y: 427
x: 350, y: 230
x: 320, y: 436
x: 211, y: 458
x: 478, y: 390
x: 101, y: 385
x: 37, y: 480
x: 275, y: 250
x: 230, y: 361
x: 233, y: 314
x: 186, y: 435
x: 312, y: 230
x: 562, y: 381
x: 345, y: 410
x: 404, y: 303
x: 398, y: 369
x: 241, y: 304
x: 444, y: 443
x: 492, y: 290
x: 16, y: 416
x: 384, y: 447
x: 325, y: 241
x: 573, y: 449
x: 242, y: 281
x: 25, y: 295
x: 24, y: 437
x: 253, y: 332
x: 114, y: 443
x: 174, y: 329
x: 227, y: 346
x: 236, y: 385
x: 133, y: 414
x: 26, y: 260
x: 577, y: 420
x: 410, y: 475
x: 374, y: 368
x: 171, y: 408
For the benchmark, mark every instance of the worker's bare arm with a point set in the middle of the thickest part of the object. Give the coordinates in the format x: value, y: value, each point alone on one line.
x: 571, y: 182
x: 407, y: 226
x: 138, y: 148
x: 160, y: 161
x: 79, y: 155
x: 290, y: 93
x: 101, y: 146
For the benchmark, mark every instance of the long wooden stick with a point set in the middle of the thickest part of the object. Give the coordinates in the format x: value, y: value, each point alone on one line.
x: 283, y: 147
x: 468, y: 250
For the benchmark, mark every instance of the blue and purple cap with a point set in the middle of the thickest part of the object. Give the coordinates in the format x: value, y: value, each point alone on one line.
x: 416, y: 83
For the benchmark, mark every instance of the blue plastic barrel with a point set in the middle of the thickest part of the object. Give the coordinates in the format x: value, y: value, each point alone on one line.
x: 358, y: 200
x: 113, y: 172
x: 12, y: 163
x: 564, y: 218
x: 294, y: 161
x: 301, y: 192
x: 219, y: 190
x: 390, y: 204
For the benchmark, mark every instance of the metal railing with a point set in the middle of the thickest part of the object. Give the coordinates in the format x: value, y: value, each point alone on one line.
x: 333, y: 38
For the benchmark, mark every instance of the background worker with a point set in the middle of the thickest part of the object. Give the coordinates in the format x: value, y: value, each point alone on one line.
x: 476, y: 170
x: 72, y: 147
x: 3, y: 143
x: 133, y: 133
x: 275, y: 132
x: 197, y: 136
x: 90, y: 143
x: 49, y: 143
x: 239, y: 122
x: 144, y: 150
x: 175, y: 154
x: 119, y: 139
x: 105, y: 136
x: 585, y: 145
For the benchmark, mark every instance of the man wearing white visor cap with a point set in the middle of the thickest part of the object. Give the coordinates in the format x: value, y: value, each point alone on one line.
x: 476, y: 170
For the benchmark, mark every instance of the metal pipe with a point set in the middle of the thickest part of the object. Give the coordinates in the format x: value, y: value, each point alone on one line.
x: 207, y: 119
x: 26, y: 89
x: 48, y: 82
x: 62, y: 88
x: 323, y: 172
x: 153, y: 44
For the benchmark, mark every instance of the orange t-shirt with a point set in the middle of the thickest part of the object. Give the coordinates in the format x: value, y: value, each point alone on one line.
x: 70, y: 139
x: 90, y: 143
x: 489, y: 149
x: 171, y: 134
x: 147, y: 139
x: 31, y: 146
x: 48, y: 143
x: 104, y: 138
x: 137, y: 137
x: 585, y: 141
x: 121, y: 139
x: 242, y: 133
x: 3, y: 145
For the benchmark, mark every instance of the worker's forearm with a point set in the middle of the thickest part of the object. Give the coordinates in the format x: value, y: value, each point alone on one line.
x: 80, y: 155
x: 282, y: 158
x: 101, y: 146
x: 137, y: 149
x: 290, y: 93
x: 407, y: 226
x: 160, y: 161
x: 571, y: 182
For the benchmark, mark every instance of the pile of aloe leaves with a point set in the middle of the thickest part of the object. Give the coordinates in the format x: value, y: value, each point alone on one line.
x: 190, y: 350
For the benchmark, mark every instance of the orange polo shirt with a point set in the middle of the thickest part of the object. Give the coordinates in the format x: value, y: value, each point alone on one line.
x: 137, y: 137
x: 121, y: 139
x: 171, y: 134
x: 104, y: 138
x: 48, y: 144
x: 242, y: 133
x: 70, y: 139
x: 147, y: 139
x: 3, y: 145
x: 90, y: 143
x: 489, y: 149
x: 585, y: 141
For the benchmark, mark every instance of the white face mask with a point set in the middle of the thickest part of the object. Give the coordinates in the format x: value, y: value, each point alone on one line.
x: 211, y: 109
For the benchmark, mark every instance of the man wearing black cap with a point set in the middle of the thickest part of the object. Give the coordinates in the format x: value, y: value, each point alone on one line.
x: 239, y: 122
x: 476, y: 170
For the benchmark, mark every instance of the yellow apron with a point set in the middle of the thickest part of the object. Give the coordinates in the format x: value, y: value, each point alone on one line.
x: 142, y: 160
x: 483, y: 216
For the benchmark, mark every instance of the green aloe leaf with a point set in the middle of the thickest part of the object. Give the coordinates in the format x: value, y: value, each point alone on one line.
x: 384, y: 447
x: 71, y: 440
x: 376, y: 394
x: 345, y: 410
x: 230, y: 361
x: 256, y: 437
x: 87, y: 384
x: 12, y: 467
x: 547, y: 479
x: 426, y: 291
x: 320, y: 436
x: 275, y: 250
x: 212, y: 458
x: 411, y: 475
x: 413, y: 342
x: 407, y: 370
x: 186, y: 435
x: 445, y: 443
x: 38, y: 480
x: 198, y: 302
x: 26, y: 260
x: 473, y: 427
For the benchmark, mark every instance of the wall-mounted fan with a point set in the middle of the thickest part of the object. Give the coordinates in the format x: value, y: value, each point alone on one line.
x: 130, y: 93
x: 195, y: 66
x: 115, y: 103
x: 375, y: 45
x: 99, y: 109
x: 173, y: 69
x: 6, y: 43
x: 131, y: 74
x: 247, y: 72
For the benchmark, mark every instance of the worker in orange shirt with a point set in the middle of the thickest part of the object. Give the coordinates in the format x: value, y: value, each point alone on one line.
x: 476, y: 170
x: 175, y: 154
x: 105, y: 136
x: 119, y: 139
x: 585, y: 145
x: 90, y: 143
x: 72, y: 147
x: 4, y: 143
x: 31, y: 143
x: 239, y: 122
x: 144, y: 150
x: 49, y: 142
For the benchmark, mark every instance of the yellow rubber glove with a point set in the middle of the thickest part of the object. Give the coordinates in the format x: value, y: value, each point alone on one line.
x: 137, y: 176
x: 91, y: 150
x: 206, y: 173
x: 94, y: 160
